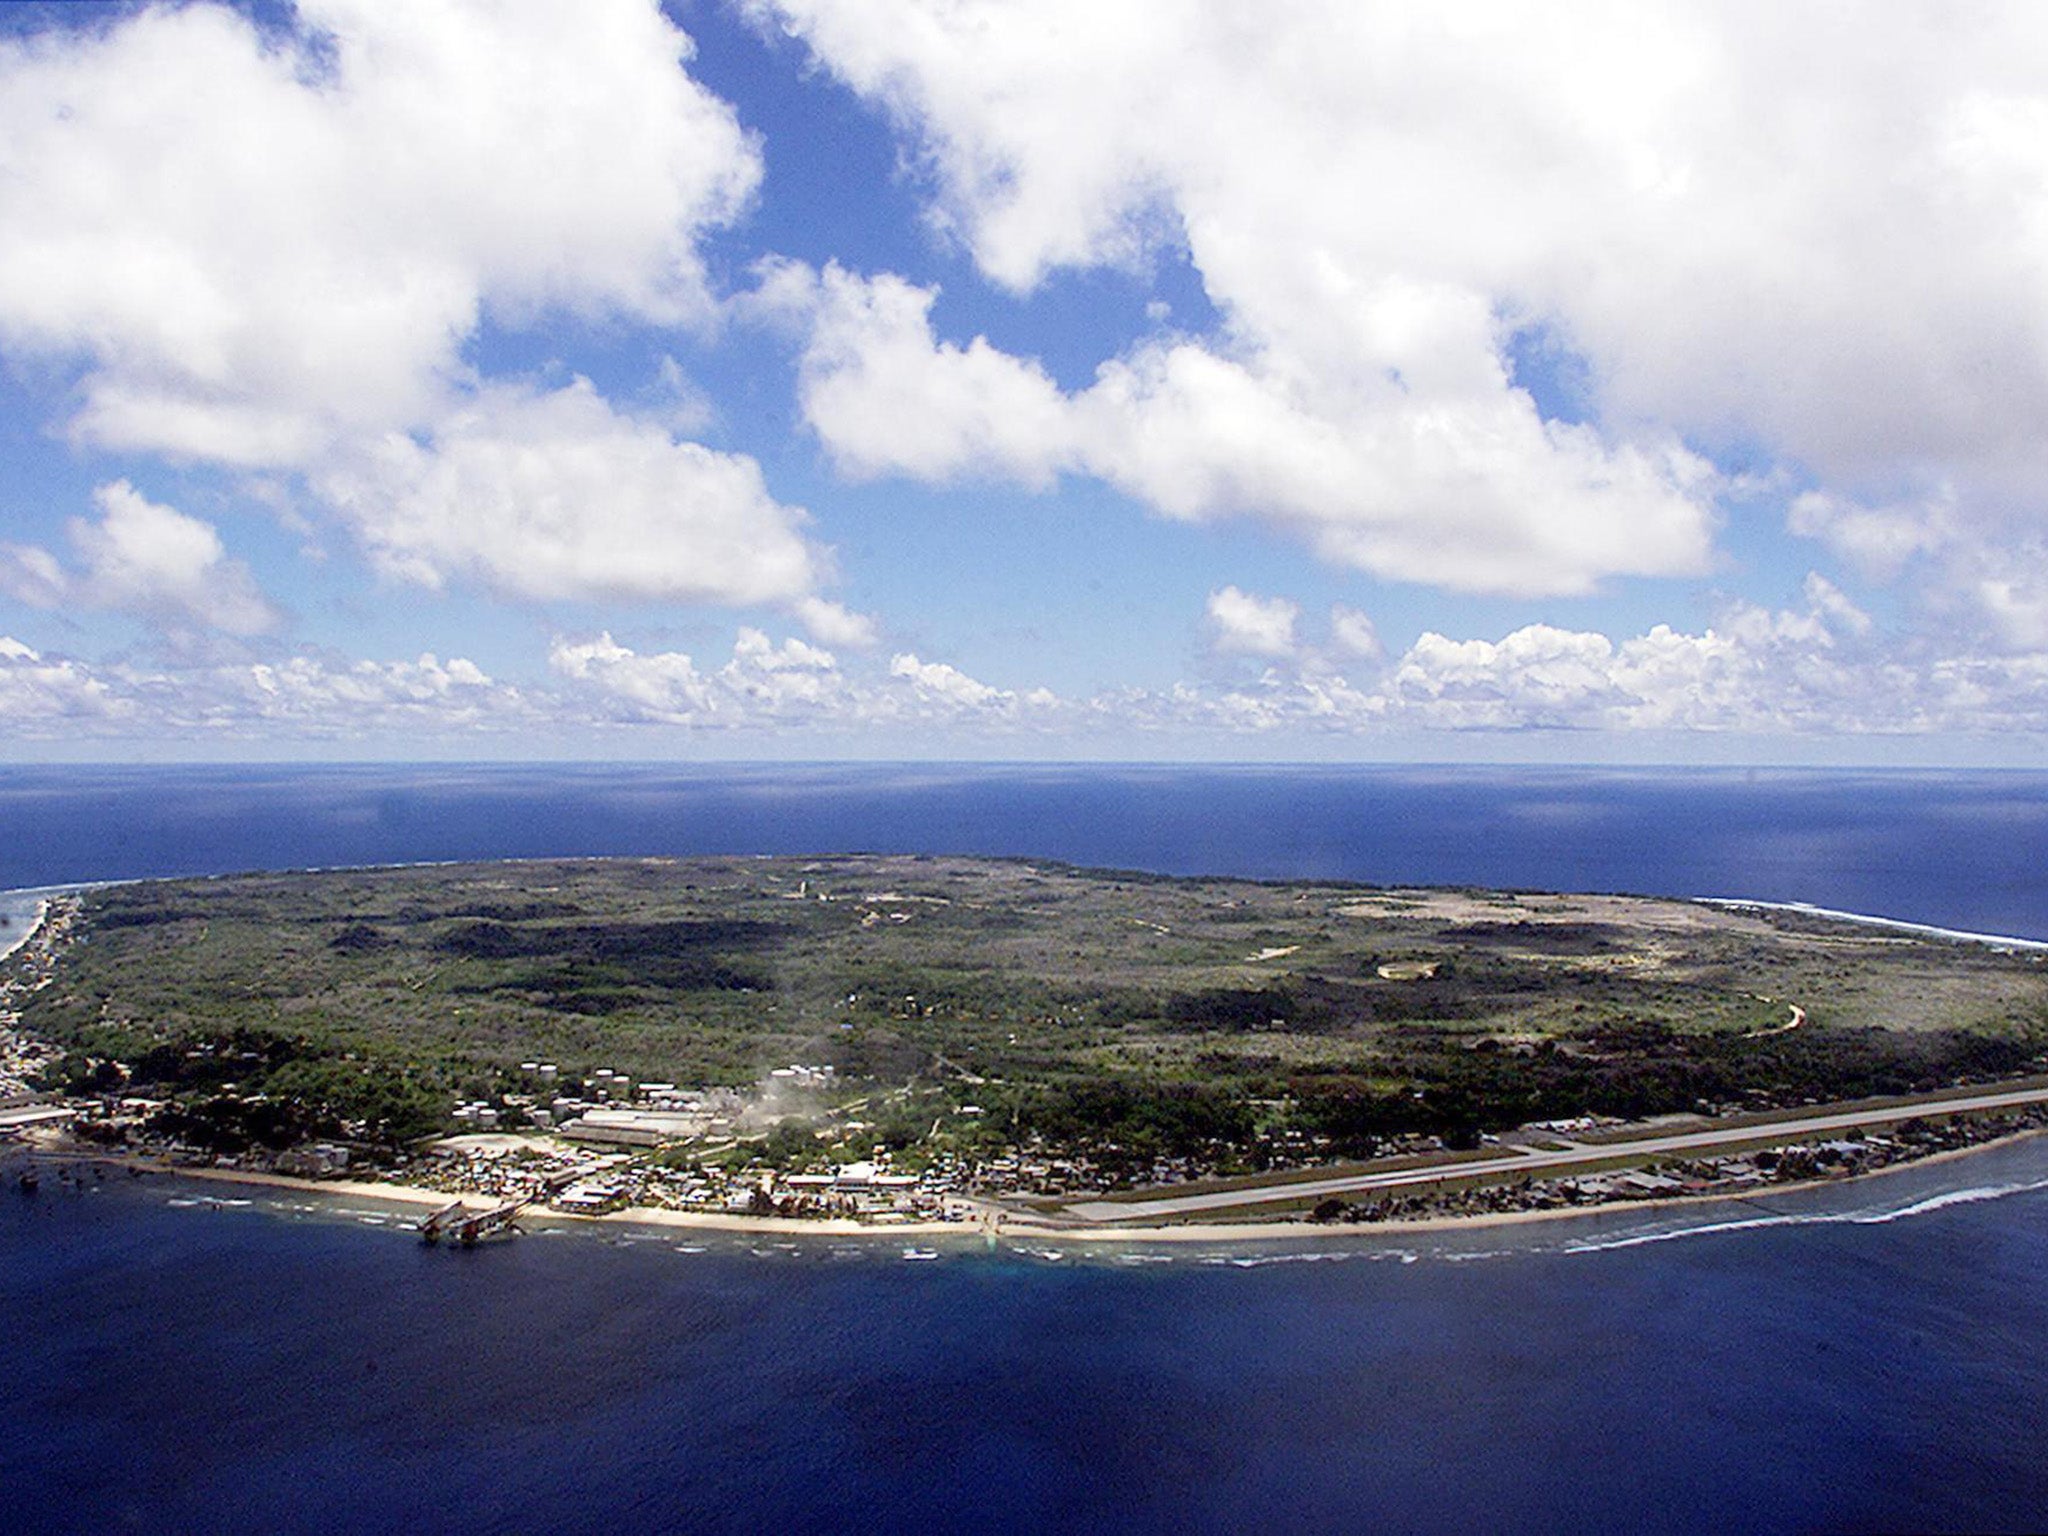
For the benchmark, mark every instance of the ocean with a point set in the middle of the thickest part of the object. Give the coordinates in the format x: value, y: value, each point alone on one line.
x: 1857, y: 1357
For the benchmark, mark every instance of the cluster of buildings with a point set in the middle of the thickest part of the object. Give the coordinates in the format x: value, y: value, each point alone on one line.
x: 609, y: 1108
x: 1796, y: 1163
x: 23, y: 1060
x: 567, y: 1177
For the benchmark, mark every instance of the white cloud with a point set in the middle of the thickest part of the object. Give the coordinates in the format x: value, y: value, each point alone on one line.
x: 1471, y: 490
x: 1819, y: 668
x: 306, y: 697
x: 147, y: 560
x: 1537, y: 675
x: 326, y: 697
x: 39, y: 695
x: 781, y: 681
x: 664, y: 687
x: 258, y: 246
x: 885, y: 397
x: 938, y: 682
x: 763, y: 684
x: 1843, y: 264
x: 1353, y: 633
x: 1754, y: 671
x: 834, y: 624
x: 1254, y: 626
x: 1816, y: 670
x: 155, y: 561
x: 556, y: 495
x: 270, y: 252
x: 1877, y: 540
x: 1831, y: 604
x: 2013, y: 601
x: 31, y: 574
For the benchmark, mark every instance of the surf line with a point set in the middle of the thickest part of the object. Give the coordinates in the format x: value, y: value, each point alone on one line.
x: 1925, y: 930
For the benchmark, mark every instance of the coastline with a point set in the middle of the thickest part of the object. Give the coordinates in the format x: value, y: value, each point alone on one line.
x: 1872, y: 920
x: 1012, y: 1225
x: 28, y: 930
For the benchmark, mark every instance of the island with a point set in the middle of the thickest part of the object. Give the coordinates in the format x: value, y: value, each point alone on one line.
x: 906, y: 1042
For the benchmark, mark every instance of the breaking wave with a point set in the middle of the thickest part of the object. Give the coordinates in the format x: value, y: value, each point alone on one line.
x: 1927, y: 1206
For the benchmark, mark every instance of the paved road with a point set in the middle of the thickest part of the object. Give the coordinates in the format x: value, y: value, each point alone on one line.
x: 1528, y: 1162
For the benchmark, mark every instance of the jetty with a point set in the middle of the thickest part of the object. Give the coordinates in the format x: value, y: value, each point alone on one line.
x: 496, y: 1222
x: 434, y: 1227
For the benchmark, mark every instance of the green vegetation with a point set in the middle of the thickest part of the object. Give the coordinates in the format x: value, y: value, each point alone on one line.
x: 968, y: 1005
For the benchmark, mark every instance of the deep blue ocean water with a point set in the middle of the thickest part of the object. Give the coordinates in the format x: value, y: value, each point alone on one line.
x: 1870, y: 1356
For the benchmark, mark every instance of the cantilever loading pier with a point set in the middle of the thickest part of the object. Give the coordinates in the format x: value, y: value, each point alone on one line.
x: 468, y: 1227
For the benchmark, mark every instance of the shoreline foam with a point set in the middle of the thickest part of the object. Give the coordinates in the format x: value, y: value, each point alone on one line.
x: 1872, y: 920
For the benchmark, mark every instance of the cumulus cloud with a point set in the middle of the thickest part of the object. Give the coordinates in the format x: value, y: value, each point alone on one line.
x: 1753, y: 671
x: 323, y: 696
x: 942, y: 683
x: 308, y: 697
x: 1877, y: 540
x: 42, y: 695
x: 885, y: 397
x: 1465, y: 487
x: 766, y: 685
x: 257, y: 243
x: 763, y: 684
x: 1537, y: 676
x: 835, y: 624
x: 1254, y: 626
x: 1819, y: 667
x: 2009, y: 597
x: 31, y: 574
x: 664, y: 687
x: 144, y: 559
x: 554, y: 494
x: 268, y: 250
x: 1834, y: 606
x: 1812, y: 669
x: 1353, y: 633
x: 1828, y: 262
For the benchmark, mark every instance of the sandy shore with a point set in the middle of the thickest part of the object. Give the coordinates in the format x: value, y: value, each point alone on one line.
x: 410, y: 1194
x: 1010, y: 1224
x: 13, y: 938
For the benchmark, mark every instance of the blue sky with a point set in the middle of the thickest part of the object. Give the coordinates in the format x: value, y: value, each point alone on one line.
x: 783, y: 379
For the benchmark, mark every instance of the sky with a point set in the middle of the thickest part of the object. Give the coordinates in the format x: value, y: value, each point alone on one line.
x: 1066, y: 380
